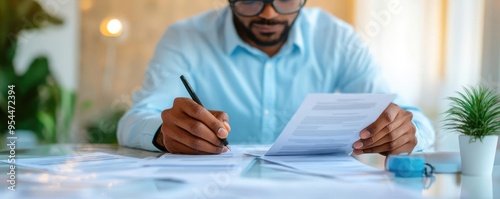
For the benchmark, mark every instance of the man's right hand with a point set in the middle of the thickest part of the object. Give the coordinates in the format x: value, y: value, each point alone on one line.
x: 189, y: 128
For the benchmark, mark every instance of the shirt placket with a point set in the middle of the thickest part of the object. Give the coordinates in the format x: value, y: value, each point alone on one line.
x: 269, y: 98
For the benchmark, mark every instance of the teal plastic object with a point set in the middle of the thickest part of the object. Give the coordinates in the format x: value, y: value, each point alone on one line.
x: 405, y: 166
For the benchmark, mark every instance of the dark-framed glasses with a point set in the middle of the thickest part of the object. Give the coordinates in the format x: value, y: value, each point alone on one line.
x: 250, y: 8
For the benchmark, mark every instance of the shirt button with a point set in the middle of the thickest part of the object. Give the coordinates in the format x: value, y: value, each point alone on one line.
x: 266, y: 112
x: 268, y: 65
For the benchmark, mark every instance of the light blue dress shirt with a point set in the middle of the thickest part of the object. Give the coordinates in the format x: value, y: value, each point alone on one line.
x: 259, y: 93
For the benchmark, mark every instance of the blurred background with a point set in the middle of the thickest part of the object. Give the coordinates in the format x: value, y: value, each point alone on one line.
x: 77, y: 63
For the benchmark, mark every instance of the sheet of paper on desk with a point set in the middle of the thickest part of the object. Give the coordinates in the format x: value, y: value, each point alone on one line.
x: 329, y: 123
x: 229, y: 159
x: 76, y: 163
x: 191, y: 168
x: 234, y: 160
x: 337, y: 166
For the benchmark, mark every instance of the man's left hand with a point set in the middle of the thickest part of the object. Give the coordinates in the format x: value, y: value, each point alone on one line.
x: 392, y: 133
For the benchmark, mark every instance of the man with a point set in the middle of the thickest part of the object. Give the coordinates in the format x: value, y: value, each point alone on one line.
x: 251, y: 65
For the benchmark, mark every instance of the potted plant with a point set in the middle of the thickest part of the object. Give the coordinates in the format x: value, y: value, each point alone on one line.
x: 475, y: 114
x: 42, y: 106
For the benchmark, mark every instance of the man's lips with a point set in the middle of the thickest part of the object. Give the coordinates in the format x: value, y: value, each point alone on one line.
x: 266, y: 28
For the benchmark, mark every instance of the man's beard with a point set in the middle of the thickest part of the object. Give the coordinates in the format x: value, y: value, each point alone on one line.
x: 247, y: 31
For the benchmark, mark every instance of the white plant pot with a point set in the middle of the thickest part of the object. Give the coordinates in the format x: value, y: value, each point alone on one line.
x: 478, y: 157
x: 498, y: 144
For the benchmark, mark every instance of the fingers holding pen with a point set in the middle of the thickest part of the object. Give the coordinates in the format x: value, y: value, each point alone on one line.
x: 191, y: 129
x: 214, y: 122
x: 196, y: 128
x: 224, y: 118
x: 188, y: 115
x: 182, y: 141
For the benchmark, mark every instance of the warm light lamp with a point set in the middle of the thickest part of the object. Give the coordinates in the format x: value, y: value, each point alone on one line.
x: 111, y: 27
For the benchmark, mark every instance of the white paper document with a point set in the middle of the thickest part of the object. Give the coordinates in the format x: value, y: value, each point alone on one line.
x: 192, y: 168
x: 329, y: 123
x: 225, y: 160
x: 338, y: 166
x: 77, y: 163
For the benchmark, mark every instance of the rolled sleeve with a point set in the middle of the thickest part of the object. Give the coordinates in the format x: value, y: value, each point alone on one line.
x: 137, y: 130
x: 149, y: 131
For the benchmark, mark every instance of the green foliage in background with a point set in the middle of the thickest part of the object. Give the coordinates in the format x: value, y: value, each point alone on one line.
x: 41, y: 104
x: 103, y: 129
x: 475, y: 112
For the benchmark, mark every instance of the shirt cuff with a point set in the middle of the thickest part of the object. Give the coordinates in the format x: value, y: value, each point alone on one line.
x: 422, y: 142
x: 150, y: 128
x: 158, y: 146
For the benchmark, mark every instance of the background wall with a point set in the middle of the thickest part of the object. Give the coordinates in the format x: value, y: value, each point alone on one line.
x: 491, y: 46
x: 463, y: 65
x: 146, y: 20
x: 429, y: 50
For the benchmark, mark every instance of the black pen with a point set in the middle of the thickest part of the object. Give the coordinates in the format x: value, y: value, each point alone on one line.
x: 197, y: 100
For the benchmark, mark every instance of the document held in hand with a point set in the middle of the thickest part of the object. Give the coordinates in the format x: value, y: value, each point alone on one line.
x: 329, y: 123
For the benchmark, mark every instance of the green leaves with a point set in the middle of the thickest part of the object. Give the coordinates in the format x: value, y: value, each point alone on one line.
x: 103, y: 130
x: 41, y: 103
x: 19, y: 15
x: 38, y: 99
x: 475, y: 112
x: 35, y: 75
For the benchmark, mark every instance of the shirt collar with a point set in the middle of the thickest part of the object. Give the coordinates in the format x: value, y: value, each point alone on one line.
x: 231, y: 37
x: 233, y: 40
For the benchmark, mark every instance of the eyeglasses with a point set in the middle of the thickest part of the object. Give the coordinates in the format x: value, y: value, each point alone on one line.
x: 250, y: 8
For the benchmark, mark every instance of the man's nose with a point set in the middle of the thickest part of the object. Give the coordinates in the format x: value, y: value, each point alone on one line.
x: 268, y: 12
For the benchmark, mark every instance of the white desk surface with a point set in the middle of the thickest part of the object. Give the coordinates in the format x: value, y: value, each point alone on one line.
x: 258, y: 175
